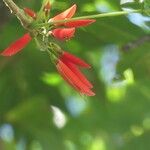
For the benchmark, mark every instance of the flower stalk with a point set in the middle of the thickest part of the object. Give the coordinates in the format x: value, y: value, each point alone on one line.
x: 102, y: 15
x: 25, y: 21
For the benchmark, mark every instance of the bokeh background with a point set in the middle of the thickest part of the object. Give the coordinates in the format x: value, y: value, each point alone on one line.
x: 39, y: 111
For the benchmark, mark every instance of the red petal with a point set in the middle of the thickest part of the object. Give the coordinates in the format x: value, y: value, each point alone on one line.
x: 66, y: 79
x: 72, y: 79
x: 17, y: 45
x: 79, y: 23
x: 66, y: 14
x: 30, y: 13
x: 79, y: 74
x: 47, y: 7
x: 63, y: 34
x: 75, y: 60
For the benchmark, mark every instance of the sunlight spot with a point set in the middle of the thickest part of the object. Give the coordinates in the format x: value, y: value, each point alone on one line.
x: 88, y: 7
x: 116, y: 91
x: 141, y: 1
x: 59, y: 118
x: 6, y: 132
x: 52, y: 79
x: 76, y: 105
x: 108, y: 63
x: 129, y: 76
x: 126, y: 1
x: 137, y: 130
x: 116, y: 85
x: 104, y: 6
x: 139, y: 20
x: 98, y: 144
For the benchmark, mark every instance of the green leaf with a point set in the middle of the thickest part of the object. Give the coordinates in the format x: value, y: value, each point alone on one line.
x: 52, y: 79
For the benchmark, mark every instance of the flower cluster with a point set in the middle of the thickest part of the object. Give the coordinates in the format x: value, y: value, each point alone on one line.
x: 68, y: 67
x: 67, y: 64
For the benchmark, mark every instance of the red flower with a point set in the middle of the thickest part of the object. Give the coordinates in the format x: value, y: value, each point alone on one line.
x: 17, y: 45
x: 67, y: 14
x: 30, y: 13
x: 79, y: 23
x: 63, y: 33
x: 75, y: 60
x: 47, y: 7
x: 67, y: 64
x: 68, y: 67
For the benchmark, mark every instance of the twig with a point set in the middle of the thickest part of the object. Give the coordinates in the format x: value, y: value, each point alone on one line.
x: 110, y: 14
x: 136, y: 43
x: 25, y: 21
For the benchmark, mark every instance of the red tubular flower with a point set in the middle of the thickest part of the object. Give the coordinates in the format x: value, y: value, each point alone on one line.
x: 67, y: 14
x: 79, y: 23
x: 71, y: 73
x: 17, y: 45
x: 30, y: 13
x: 76, y: 71
x: 67, y: 64
x: 63, y: 34
x: 47, y: 7
x: 75, y: 60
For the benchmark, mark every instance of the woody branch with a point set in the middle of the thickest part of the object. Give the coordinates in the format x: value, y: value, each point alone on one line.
x: 25, y: 21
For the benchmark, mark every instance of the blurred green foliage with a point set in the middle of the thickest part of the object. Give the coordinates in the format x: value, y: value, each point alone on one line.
x: 38, y: 111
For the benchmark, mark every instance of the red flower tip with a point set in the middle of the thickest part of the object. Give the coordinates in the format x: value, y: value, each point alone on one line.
x: 73, y: 78
x: 63, y: 34
x: 17, y: 45
x: 75, y: 60
x: 66, y: 14
x: 76, y: 71
x: 30, y: 13
x: 79, y: 23
x: 47, y: 7
x: 67, y: 65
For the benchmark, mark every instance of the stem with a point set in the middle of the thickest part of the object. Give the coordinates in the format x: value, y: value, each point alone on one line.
x: 25, y: 21
x: 111, y: 14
